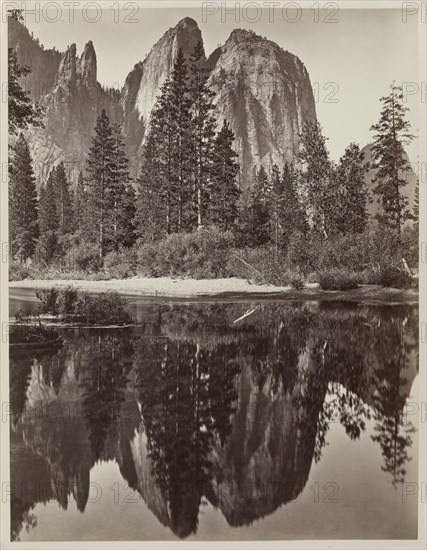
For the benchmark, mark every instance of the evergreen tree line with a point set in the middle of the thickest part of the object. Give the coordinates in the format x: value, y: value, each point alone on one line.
x: 311, y: 196
x: 188, y: 181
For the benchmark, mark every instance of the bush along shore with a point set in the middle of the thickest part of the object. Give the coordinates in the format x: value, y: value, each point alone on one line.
x: 376, y: 257
x: 67, y: 306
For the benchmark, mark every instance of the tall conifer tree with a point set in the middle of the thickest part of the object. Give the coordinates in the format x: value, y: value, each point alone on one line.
x: 100, y: 183
x: 203, y: 131
x: 48, y: 245
x: 80, y: 204
x: 224, y: 193
x: 392, y: 132
x: 23, y: 203
x: 351, y: 214
x: 64, y: 200
x: 316, y: 174
x: 119, y: 185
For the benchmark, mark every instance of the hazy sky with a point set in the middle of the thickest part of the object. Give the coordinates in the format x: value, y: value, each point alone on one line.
x: 351, y: 62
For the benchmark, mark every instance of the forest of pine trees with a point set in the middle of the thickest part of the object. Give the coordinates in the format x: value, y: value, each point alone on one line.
x: 188, y: 183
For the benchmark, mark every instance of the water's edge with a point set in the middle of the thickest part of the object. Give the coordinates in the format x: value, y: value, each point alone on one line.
x: 371, y: 294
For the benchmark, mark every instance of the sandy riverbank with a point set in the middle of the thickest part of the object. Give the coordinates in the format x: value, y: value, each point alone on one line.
x: 161, y: 286
x: 167, y: 287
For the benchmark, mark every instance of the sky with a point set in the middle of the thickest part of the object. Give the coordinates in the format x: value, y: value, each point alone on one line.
x: 352, y: 55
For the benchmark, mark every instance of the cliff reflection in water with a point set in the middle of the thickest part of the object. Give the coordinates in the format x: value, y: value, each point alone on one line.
x: 194, y: 406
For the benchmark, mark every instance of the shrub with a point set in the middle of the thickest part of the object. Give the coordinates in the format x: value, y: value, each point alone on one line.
x: 24, y: 314
x: 302, y: 251
x: 84, y: 257
x: 19, y: 271
x: 297, y: 281
x: 120, y: 265
x: 369, y: 276
x: 67, y: 301
x: 258, y: 259
x: 147, y: 261
x: 410, y: 247
x: 265, y: 267
x: 49, y: 300
x: 337, y: 279
x: 201, y: 254
x: 107, y: 308
x: 383, y: 246
x: 261, y: 266
x: 392, y: 276
x: 347, y: 251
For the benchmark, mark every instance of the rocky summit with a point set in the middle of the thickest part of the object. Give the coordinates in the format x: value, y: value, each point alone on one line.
x: 262, y: 90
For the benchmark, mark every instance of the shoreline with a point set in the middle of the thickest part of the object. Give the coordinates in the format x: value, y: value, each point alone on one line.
x: 168, y: 288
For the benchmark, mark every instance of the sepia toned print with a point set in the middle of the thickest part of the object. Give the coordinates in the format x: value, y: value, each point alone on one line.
x: 215, y: 254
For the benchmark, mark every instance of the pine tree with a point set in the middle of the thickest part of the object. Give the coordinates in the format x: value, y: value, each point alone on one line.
x: 275, y: 202
x: 224, y: 192
x: 263, y: 187
x: 127, y: 235
x: 181, y: 120
x: 316, y: 175
x: 166, y: 182
x: 64, y: 200
x: 99, y: 170
x: 203, y: 131
x: 23, y: 203
x: 259, y: 210
x: 48, y: 245
x: 21, y: 112
x: 151, y: 216
x: 156, y: 184
x: 291, y: 214
x: 351, y: 195
x: 80, y: 204
x: 392, y: 133
x: 119, y: 185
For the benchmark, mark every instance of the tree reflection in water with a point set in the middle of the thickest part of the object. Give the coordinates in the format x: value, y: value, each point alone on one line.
x: 194, y: 406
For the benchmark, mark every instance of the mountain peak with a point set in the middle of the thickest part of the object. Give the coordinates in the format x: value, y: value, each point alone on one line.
x: 149, y: 76
x: 67, y: 67
x: 88, y: 63
x: 187, y: 22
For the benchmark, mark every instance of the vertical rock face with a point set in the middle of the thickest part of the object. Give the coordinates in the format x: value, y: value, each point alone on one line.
x: 71, y: 96
x: 262, y: 90
x: 72, y: 108
x: 143, y: 83
x: 159, y: 63
x: 266, y: 95
x: 43, y: 63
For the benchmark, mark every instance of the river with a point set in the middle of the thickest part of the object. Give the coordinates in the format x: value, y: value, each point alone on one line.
x: 247, y: 420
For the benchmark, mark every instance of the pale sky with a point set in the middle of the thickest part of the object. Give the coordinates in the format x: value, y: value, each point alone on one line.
x: 353, y: 60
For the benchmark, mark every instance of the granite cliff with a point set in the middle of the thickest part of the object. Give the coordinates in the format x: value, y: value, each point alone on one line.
x: 262, y: 90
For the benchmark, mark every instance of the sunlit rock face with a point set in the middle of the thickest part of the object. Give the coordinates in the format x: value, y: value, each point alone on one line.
x: 266, y: 95
x: 263, y: 91
x: 143, y: 83
x: 66, y: 86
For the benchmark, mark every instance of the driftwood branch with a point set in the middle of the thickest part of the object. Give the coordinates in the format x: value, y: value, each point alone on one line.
x: 246, y: 264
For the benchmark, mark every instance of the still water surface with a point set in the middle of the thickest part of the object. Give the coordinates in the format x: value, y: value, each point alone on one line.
x: 293, y: 422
